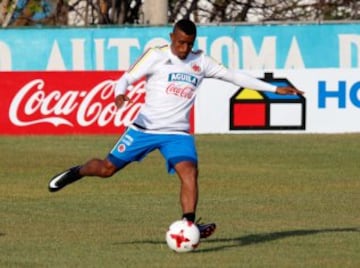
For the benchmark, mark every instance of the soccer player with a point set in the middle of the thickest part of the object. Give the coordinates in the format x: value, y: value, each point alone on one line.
x: 173, y: 75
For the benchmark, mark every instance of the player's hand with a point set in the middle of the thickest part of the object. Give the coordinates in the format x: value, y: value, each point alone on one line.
x: 120, y: 100
x: 289, y: 90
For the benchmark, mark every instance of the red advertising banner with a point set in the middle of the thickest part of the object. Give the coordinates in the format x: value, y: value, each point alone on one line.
x: 65, y: 103
x: 60, y: 102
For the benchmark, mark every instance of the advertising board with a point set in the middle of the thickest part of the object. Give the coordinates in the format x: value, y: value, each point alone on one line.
x: 60, y: 81
x: 65, y: 103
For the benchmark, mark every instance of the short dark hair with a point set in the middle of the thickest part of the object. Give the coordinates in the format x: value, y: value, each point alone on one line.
x: 185, y: 25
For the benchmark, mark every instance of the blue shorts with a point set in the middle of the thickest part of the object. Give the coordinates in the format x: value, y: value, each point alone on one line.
x: 134, y: 145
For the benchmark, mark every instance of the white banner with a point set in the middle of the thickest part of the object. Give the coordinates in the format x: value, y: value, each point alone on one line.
x: 331, y: 104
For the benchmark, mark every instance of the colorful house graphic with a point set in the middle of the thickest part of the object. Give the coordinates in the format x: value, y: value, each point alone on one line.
x: 258, y: 110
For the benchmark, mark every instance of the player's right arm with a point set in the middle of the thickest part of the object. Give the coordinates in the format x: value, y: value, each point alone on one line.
x: 120, y: 100
x: 139, y: 69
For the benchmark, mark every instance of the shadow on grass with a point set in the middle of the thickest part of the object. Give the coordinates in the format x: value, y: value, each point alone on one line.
x: 252, y: 239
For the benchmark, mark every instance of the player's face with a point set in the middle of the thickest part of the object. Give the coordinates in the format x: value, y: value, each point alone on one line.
x: 181, y: 43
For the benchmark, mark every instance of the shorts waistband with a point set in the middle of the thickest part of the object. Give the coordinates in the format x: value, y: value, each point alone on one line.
x: 160, y: 131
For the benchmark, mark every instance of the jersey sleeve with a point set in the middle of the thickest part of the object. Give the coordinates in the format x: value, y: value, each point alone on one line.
x: 237, y: 77
x: 141, y: 67
x: 213, y: 69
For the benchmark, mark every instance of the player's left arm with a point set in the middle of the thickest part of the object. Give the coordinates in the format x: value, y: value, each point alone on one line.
x: 240, y: 78
x: 288, y: 90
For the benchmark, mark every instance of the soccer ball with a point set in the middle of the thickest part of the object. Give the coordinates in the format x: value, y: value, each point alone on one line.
x: 183, y: 236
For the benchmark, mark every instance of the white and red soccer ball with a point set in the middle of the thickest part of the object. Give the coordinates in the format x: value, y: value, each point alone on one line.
x: 183, y: 236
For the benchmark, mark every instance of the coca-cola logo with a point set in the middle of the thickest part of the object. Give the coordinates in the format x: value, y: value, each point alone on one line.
x: 34, y: 104
x: 184, y: 92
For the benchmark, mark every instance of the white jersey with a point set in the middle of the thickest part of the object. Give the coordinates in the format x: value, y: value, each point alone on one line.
x: 172, y: 84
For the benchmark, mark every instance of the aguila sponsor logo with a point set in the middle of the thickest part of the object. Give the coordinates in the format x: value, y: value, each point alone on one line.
x: 183, y: 77
x: 34, y: 104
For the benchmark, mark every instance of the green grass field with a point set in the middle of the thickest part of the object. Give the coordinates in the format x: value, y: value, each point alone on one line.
x: 278, y: 201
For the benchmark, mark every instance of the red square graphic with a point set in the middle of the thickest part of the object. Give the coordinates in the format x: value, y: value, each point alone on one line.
x: 249, y: 114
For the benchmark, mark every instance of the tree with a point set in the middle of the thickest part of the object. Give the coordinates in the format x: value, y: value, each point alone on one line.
x: 31, y: 12
x: 69, y: 12
x: 7, y: 9
x: 260, y: 11
x: 100, y: 12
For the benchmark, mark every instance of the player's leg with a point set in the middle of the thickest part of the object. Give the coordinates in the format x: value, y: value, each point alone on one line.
x: 132, y: 146
x: 100, y: 168
x: 94, y: 167
x: 180, y: 153
x: 187, y: 172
